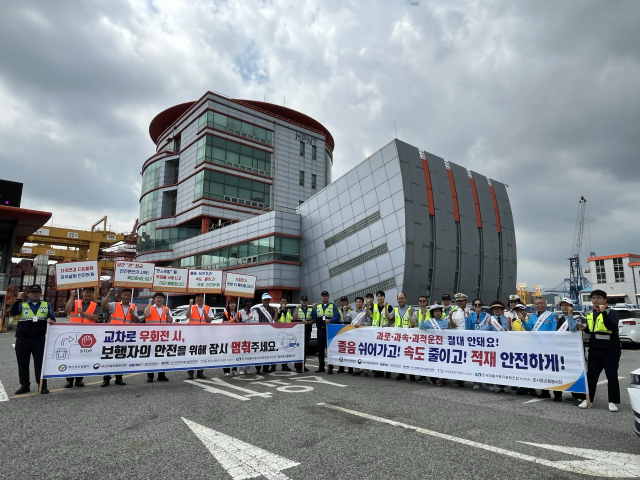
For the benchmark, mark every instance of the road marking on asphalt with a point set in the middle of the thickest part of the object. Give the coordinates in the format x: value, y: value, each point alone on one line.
x: 25, y: 395
x: 250, y: 393
x: 600, y: 463
x: 535, y: 400
x: 241, y: 460
x: 3, y: 394
x: 602, y: 382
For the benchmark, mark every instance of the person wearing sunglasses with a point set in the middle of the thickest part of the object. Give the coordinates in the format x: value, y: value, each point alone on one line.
x: 477, y: 320
x: 420, y: 315
x: 458, y: 317
x: 436, y: 322
x: 510, y: 312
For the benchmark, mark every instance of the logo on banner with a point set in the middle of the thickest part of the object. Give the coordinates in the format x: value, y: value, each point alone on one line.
x: 96, y: 366
x: 62, y: 368
x: 238, y: 359
x: 359, y: 360
x: 87, y: 340
x: 341, y: 359
x: 288, y: 341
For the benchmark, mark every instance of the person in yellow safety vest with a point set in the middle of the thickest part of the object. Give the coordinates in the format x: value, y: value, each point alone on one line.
x: 120, y: 313
x: 458, y: 318
x: 322, y: 314
x: 283, y: 315
x: 604, y: 348
x: 380, y: 316
x: 200, y: 314
x: 419, y: 314
x: 303, y: 314
x: 345, y: 309
x: 447, y: 307
x: 402, y: 315
x: 81, y: 311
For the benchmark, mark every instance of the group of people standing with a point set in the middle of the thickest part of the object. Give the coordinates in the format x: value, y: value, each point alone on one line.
x: 601, y: 325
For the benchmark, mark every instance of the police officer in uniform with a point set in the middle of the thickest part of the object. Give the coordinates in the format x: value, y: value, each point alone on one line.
x: 33, y: 317
x: 380, y: 316
x: 604, y: 348
x: 303, y: 314
x: 322, y: 314
x: 81, y: 311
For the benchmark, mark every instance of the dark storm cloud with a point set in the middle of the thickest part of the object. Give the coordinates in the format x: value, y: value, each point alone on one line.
x: 542, y: 95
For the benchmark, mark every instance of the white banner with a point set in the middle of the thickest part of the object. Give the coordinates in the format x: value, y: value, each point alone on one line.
x: 108, y: 349
x: 133, y: 274
x: 168, y: 279
x: 543, y: 360
x: 70, y: 275
x: 205, y: 281
x: 238, y: 285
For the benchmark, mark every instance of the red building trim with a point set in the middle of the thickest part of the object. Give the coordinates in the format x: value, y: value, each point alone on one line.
x: 454, y: 195
x: 476, y: 202
x: 495, y: 207
x: 427, y: 181
x: 620, y: 255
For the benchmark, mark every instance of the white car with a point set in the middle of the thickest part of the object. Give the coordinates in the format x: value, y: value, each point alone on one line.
x: 634, y: 396
x: 179, y: 314
x: 628, y: 324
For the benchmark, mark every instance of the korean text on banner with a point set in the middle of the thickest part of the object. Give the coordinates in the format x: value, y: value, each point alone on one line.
x: 205, y: 281
x: 108, y: 349
x: 543, y: 360
x: 72, y: 275
x: 133, y: 274
x: 238, y: 285
x: 167, y: 279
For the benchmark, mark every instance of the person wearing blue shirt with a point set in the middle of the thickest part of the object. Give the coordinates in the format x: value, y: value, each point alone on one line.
x: 541, y: 321
x: 436, y: 322
x: 476, y: 318
x: 33, y: 318
x: 498, y: 322
x: 322, y: 314
x: 568, y: 323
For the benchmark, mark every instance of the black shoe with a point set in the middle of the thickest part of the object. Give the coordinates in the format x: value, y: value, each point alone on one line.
x: 273, y: 368
x: 401, y: 376
x: 460, y: 383
x: 421, y: 379
x: 387, y: 375
x: 522, y: 391
x: 202, y: 375
x: 105, y: 383
x: 412, y: 378
x: 286, y: 368
x: 79, y: 383
x: 378, y: 374
x: 330, y: 372
x: 162, y: 378
x: 532, y: 392
x: 306, y: 369
x: 557, y: 398
x: 120, y: 382
x: 258, y: 370
x: 149, y: 379
x: 298, y: 370
x: 340, y: 369
x: 22, y: 389
x: 69, y: 384
x: 190, y: 376
x: 545, y: 394
x: 44, y: 390
x: 357, y: 373
x: 321, y: 370
x: 350, y: 371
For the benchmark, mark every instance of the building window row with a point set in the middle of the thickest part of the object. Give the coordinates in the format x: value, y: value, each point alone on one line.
x: 327, y: 176
x: 151, y: 239
x: 229, y: 124
x: 229, y: 188
x: 148, y: 207
x: 618, y: 270
x: 151, y: 177
x: 260, y: 250
x: 225, y: 152
x: 601, y: 276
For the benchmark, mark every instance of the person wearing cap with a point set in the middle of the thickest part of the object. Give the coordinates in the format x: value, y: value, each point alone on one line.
x: 33, y: 317
x: 302, y: 313
x: 157, y: 313
x: 436, y: 322
x: 120, y: 313
x: 246, y: 315
x: 514, y: 299
x: 345, y: 309
x: 498, y: 322
x: 380, y: 316
x: 459, y: 317
x: 81, y: 311
x: 447, y: 308
x: 322, y: 314
x: 266, y: 314
x: 421, y: 314
x: 567, y: 323
x: 283, y: 315
x: 521, y: 316
x: 403, y: 319
x: 604, y: 348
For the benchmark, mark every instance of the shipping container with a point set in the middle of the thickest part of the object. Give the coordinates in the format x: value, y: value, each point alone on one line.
x: 52, y: 270
x: 28, y: 280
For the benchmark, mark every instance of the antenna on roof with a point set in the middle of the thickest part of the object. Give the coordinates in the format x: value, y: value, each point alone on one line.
x: 394, y: 128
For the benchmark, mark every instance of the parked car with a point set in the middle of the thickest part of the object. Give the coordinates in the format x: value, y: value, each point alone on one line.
x: 179, y: 314
x: 634, y: 396
x: 629, y: 324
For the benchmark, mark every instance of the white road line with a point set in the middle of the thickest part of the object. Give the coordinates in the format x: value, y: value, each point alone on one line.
x: 602, y: 382
x: 535, y: 400
x: 600, y: 463
x: 222, y: 383
x: 217, y: 390
x: 3, y: 394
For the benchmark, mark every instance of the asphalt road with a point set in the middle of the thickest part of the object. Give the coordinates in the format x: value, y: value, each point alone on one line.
x: 147, y: 430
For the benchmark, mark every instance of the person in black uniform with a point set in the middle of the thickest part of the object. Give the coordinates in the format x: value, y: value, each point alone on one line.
x: 303, y: 314
x: 321, y: 315
x: 33, y: 317
x: 604, y: 348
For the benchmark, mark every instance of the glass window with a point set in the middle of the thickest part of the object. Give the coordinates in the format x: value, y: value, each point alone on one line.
x: 313, y: 180
x: 151, y: 239
x: 301, y: 178
x: 601, y: 276
x: 221, y: 186
x: 618, y: 270
x: 302, y: 149
x: 314, y: 150
x: 149, y: 207
x: 232, y: 125
x: 218, y: 150
x: 151, y: 177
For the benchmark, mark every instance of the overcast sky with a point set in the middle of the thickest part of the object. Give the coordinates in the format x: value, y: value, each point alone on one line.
x: 543, y: 95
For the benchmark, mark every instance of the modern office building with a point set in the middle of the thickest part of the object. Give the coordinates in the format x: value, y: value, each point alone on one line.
x: 246, y: 186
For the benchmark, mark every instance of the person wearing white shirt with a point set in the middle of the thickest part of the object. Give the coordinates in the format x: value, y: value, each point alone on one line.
x: 459, y: 317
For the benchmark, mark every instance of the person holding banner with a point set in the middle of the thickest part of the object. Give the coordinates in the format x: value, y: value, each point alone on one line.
x: 498, y: 322
x: 403, y: 319
x: 477, y: 320
x: 380, y: 316
x: 541, y: 321
x: 447, y: 308
x: 567, y: 323
x: 120, y: 313
x: 284, y: 316
x: 345, y: 309
x: 155, y: 313
x: 199, y: 314
x: 520, y: 311
x: 436, y: 322
x: 514, y: 300
x: 33, y: 317
x: 246, y: 315
x: 360, y: 317
x: 266, y: 314
x: 303, y: 314
x: 81, y: 311
x: 604, y: 348
x: 421, y: 314
x: 459, y: 316
x: 322, y: 314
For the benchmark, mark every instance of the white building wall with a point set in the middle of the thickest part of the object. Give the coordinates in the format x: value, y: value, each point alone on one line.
x: 628, y: 287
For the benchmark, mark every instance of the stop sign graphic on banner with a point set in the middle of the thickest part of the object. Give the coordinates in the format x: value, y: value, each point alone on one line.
x: 87, y: 340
